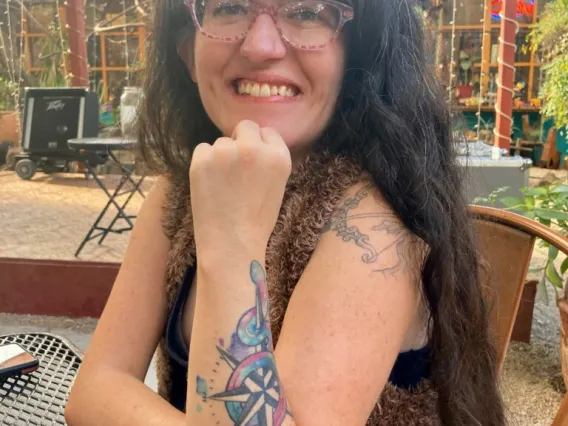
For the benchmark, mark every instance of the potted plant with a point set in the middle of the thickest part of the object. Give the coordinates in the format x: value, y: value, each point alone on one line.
x: 9, y: 118
x: 548, y: 205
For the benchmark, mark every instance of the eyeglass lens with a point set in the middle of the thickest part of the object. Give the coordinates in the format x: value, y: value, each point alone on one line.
x: 309, y: 23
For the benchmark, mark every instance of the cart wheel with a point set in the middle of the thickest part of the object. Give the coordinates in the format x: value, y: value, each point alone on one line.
x: 26, y: 168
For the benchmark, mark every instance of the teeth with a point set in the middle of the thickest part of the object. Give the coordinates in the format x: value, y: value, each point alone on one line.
x: 264, y: 90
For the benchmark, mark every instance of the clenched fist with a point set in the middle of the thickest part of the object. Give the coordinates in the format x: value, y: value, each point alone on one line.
x: 237, y: 186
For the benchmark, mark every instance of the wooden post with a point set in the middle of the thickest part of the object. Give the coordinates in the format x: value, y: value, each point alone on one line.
x: 77, y: 43
x: 506, y: 77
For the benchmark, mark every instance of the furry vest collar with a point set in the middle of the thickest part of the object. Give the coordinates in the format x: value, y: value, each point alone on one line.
x: 311, y: 195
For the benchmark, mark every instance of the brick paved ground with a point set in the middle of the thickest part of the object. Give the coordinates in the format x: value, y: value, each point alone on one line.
x: 47, y: 217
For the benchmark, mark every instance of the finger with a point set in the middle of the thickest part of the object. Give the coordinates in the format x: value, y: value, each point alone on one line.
x: 224, y: 141
x: 271, y: 137
x: 248, y: 131
x: 199, y: 157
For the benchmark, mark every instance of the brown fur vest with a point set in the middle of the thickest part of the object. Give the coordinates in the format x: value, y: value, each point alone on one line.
x: 312, y: 193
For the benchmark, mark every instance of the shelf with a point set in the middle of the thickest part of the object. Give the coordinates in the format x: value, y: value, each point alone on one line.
x: 492, y: 109
x: 516, y: 64
x: 477, y: 27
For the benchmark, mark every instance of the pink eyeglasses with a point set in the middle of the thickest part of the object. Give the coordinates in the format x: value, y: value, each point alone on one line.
x: 306, y: 25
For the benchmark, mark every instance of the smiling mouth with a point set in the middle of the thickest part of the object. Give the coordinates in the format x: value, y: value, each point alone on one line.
x: 264, y: 90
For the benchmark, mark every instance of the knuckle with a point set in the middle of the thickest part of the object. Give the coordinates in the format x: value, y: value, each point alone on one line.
x: 199, y: 158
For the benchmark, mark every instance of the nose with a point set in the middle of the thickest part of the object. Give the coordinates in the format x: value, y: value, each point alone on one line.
x: 263, y: 41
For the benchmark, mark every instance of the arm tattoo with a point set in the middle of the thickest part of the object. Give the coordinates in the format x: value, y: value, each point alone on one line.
x: 252, y: 395
x: 342, y: 224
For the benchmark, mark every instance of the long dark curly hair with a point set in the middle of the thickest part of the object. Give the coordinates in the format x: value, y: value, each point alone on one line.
x: 392, y: 117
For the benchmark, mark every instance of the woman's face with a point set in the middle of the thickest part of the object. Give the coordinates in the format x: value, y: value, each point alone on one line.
x: 234, y: 80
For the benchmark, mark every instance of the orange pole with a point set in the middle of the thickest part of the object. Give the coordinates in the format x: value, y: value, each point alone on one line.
x: 506, y: 77
x: 77, y: 43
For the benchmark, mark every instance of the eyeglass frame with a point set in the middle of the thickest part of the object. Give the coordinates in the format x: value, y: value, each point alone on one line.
x: 347, y: 14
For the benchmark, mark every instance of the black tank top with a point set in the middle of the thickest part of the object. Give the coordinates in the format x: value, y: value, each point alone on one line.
x: 409, y: 369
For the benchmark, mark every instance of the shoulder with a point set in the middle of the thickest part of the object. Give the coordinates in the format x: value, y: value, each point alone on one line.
x: 169, y: 201
x: 365, y: 225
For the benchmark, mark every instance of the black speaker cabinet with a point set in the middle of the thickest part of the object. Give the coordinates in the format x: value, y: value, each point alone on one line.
x: 52, y: 116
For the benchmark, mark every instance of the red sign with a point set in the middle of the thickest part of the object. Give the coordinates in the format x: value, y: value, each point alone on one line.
x: 524, y: 7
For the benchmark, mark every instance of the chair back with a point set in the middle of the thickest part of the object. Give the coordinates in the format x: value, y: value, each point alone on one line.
x: 505, y: 243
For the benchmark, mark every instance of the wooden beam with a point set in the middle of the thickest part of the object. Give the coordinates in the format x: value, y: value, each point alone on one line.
x: 103, y: 66
x: 532, y: 59
x: 485, y: 49
x: 77, y: 43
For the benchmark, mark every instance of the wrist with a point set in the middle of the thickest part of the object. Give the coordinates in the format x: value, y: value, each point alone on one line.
x: 228, y: 263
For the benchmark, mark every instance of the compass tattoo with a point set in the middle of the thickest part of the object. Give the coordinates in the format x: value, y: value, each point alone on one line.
x: 344, y: 223
x: 253, y: 395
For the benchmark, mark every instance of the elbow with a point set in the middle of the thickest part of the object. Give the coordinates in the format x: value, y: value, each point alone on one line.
x: 81, y: 399
x: 72, y: 411
x: 73, y: 407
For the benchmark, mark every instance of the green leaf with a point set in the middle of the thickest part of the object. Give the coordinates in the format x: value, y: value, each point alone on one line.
x: 535, y: 192
x: 559, y: 189
x: 564, y: 266
x: 551, y: 214
x: 512, y: 202
x: 545, y: 222
x: 552, y: 253
x: 530, y: 214
x: 530, y: 202
x: 552, y: 275
x: 541, y: 291
x: 480, y: 200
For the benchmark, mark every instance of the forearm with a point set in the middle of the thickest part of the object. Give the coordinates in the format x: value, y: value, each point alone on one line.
x: 232, y: 371
x: 115, y: 399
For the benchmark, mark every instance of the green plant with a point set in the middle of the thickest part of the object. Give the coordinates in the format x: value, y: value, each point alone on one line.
x: 550, y: 37
x: 548, y: 205
x: 8, y: 93
x: 491, y: 199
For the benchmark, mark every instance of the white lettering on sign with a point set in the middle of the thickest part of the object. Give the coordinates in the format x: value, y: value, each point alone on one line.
x: 55, y: 105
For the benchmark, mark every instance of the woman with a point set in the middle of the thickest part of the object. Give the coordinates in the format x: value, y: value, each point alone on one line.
x: 306, y: 157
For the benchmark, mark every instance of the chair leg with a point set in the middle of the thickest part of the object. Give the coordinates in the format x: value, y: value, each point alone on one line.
x: 561, y: 418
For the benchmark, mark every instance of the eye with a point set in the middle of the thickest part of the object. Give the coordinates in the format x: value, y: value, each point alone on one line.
x: 305, y: 15
x: 230, y: 9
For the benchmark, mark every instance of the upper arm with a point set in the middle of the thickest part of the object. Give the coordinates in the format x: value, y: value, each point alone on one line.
x: 350, y: 313
x: 133, y: 319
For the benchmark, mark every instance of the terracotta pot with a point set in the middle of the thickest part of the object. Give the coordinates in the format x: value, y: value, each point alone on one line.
x: 9, y: 126
x: 563, y: 308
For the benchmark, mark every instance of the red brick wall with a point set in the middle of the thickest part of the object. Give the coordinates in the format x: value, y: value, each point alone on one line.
x: 53, y: 287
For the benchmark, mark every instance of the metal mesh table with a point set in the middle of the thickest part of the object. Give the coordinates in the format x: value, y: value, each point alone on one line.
x: 39, y: 398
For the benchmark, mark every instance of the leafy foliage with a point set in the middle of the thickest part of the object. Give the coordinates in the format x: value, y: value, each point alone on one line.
x: 550, y: 37
x: 8, y: 92
x: 549, y: 206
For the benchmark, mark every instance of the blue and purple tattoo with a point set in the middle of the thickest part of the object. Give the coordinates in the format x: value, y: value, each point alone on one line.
x: 252, y: 395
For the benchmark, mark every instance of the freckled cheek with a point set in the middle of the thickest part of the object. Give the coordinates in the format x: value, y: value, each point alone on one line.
x: 209, y: 63
x: 326, y: 73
